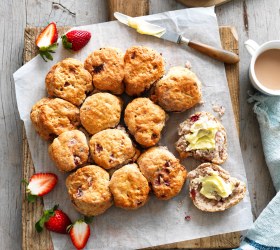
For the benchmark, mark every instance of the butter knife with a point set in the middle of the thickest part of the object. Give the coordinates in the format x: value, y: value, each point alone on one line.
x: 160, y: 32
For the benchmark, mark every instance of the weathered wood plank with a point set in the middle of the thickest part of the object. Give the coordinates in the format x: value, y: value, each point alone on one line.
x: 31, y: 212
x: 202, y: 3
x: 258, y: 20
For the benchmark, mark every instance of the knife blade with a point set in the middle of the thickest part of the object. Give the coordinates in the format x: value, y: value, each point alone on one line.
x: 146, y: 28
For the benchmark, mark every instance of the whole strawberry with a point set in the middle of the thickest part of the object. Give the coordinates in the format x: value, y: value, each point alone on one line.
x: 76, y: 39
x: 54, y: 220
x: 47, y: 41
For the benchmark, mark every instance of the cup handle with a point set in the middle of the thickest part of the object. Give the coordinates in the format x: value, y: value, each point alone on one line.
x: 251, y: 46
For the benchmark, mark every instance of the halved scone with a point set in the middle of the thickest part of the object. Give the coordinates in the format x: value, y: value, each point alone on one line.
x: 203, y: 137
x: 212, y: 189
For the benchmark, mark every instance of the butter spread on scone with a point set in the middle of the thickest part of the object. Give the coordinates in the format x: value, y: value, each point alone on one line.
x: 112, y: 148
x: 100, y: 111
x: 212, y: 189
x: 143, y: 67
x: 69, y: 80
x: 69, y: 150
x: 51, y: 117
x: 163, y: 171
x: 129, y: 187
x: 145, y: 121
x: 178, y: 91
x: 88, y: 189
x: 203, y: 137
x: 106, y: 66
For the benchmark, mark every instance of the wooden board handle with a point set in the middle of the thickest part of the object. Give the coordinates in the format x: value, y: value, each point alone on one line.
x: 218, y: 54
x: 128, y: 7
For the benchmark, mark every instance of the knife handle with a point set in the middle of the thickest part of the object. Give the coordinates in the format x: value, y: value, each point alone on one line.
x: 218, y: 54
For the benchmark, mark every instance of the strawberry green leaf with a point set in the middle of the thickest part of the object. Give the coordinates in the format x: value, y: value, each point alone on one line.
x: 24, y: 182
x: 88, y: 220
x: 46, y: 216
x: 31, y: 198
x: 66, y: 44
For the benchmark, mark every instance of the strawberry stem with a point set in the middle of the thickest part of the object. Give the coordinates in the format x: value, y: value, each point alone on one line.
x: 46, y: 216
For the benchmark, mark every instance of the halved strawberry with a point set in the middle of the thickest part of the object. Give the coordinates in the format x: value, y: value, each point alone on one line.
x: 79, y: 233
x: 54, y: 220
x: 75, y: 39
x: 40, y: 184
x: 46, y: 41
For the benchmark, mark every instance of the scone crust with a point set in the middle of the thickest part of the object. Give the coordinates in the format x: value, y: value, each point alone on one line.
x: 143, y: 67
x: 69, y: 150
x: 100, y: 111
x: 217, y: 155
x: 145, y: 121
x: 178, y: 91
x: 163, y: 171
x: 129, y: 187
x: 112, y: 148
x: 106, y: 66
x: 69, y: 80
x: 51, y: 117
x: 212, y: 205
x: 88, y: 189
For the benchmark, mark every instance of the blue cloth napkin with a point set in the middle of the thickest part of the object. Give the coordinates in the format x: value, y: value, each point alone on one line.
x: 265, y: 234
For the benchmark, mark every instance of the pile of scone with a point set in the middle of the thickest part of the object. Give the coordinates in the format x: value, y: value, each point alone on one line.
x: 81, y: 119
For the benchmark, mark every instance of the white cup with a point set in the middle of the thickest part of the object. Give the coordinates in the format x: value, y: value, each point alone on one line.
x: 255, y: 50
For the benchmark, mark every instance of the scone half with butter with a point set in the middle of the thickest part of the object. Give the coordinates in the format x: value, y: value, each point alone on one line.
x: 203, y: 137
x: 212, y: 189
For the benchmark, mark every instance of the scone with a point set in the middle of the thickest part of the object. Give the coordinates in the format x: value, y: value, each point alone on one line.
x: 69, y: 80
x: 100, y: 111
x: 51, y: 117
x: 69, y: 150
x: 88, y: 189
x: 163, y: 171
x: 112, y: 148
x: 178, y: 91
x: 143, y: 67
x: 129, y: 187
x: 106, y: 66
x: 203, y: 137
x: 145, y: 121
x: 212, y: 189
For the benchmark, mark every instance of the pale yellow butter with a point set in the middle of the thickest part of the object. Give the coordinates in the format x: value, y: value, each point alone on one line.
x: 202, y: 134
x: 214, y: 185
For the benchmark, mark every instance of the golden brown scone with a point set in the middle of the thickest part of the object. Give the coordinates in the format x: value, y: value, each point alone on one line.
x: 218, y: 155
x: 145, y: 121
x: 178, y: 91
x: 69, y: 80
x: 106, y: 66
x: 88, y: 189
x: 112, y: 148
x: 218, y: 203
x: 51, y: 117
x: 129, y: 187
x: 100, y: 111
x: 143, y: 67
x: 69, y: 150
x: 164, y: 172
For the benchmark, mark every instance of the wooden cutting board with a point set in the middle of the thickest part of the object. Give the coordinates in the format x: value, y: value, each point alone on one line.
x: 202, y: 3
x: 31, y: 212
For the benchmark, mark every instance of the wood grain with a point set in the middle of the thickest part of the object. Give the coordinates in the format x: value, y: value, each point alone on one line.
x: 202, y: 3
x: 32, y: 212
x: 131, y: 8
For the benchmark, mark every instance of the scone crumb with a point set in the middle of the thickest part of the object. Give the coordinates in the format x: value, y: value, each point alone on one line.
x: 188, y: 65
x: 219, y: 109
x: 188, y: 218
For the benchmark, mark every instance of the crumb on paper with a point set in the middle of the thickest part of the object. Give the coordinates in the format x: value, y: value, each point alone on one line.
x: 219, y: 109
x: 179, y: 205
x: 187, y: 218
x: 188, y: 65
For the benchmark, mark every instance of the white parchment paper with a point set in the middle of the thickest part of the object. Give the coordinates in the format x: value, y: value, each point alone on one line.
x: 158, y: 222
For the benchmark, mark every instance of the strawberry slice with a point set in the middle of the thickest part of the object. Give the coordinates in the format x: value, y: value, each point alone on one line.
x: 79, y: 233
x: 40, y: 184
x: 75, y: 39
x: 54, y: 220
x: 46, y: 41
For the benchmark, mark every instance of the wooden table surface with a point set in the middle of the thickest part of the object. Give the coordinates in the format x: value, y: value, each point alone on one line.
x: 255, y: 19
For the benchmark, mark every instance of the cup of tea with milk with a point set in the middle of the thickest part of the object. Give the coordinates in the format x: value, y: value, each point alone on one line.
x: 264, y: 69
